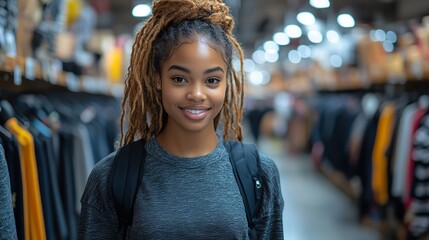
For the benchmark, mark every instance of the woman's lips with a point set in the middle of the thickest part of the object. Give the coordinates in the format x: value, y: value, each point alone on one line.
x: 195, y: 113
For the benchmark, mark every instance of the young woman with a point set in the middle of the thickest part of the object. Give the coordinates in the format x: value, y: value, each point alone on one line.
x: 181, y: 84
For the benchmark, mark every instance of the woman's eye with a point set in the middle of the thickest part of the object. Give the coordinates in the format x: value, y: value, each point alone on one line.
x: 178, y: 79
x: 213, y: 81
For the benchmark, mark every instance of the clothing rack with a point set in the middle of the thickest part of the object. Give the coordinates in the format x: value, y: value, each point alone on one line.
x: 375, y: 209
x: 70, y: 126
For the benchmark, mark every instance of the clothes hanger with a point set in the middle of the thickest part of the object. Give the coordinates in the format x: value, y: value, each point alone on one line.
x: 5, y: 133
x: 6, y: 111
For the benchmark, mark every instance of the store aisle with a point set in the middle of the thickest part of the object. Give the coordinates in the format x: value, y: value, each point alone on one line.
x: 314, y: 208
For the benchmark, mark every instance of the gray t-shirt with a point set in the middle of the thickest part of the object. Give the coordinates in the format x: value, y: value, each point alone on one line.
x: 180, y: 198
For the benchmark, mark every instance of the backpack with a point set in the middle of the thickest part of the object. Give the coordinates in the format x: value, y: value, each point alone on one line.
x: 127, y: 169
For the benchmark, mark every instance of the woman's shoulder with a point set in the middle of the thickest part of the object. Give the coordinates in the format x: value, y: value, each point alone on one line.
x: 270, y: 177
x: 97, y: 186
x: 268, y: 166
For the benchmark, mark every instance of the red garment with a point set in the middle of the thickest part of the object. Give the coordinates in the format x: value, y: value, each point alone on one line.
x: 410, y: 170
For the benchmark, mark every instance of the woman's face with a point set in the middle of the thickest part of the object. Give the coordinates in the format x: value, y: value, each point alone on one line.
x: 193, y: 83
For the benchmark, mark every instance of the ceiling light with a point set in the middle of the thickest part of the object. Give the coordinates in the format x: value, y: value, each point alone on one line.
x: 281, y: 38
x: 391, y: 36
x: 304, y: 51
x: 271, y: 47
x: 333, y: 36
x: 271, y: 57
x: 293, y: 31
x: 249, y: 65
x: 306, y: 18
x: 380, y: 35
x: 388, y: 46
x: 256, y: 78
x: 320, y: 3
x: 336, y: 61
x: 346, y: 20
x: 259, y: 57
x: 315, y: 36
x: 142, y: 10
x: 294, y: 56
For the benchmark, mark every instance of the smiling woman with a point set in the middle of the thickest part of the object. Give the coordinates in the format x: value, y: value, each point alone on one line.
x: 181, y: 84
x: 193, y: 92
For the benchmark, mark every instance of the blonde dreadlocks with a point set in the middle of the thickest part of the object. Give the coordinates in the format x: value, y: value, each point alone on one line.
x: 173, y: 22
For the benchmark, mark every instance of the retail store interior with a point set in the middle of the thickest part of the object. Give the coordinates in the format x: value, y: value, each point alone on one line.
x: 337, y: 94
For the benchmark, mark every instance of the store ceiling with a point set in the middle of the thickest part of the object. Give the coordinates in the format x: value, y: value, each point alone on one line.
x: 257, y: 20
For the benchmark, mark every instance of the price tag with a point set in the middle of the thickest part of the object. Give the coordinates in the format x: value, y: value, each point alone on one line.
x: 17, y: 76
x: 30, y: 68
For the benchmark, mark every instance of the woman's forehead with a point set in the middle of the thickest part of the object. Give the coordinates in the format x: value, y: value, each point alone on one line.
x: 197, y: 53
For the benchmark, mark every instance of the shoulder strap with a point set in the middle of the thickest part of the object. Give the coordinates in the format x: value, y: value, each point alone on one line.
x: 246, y: 166
x: 125, y: 179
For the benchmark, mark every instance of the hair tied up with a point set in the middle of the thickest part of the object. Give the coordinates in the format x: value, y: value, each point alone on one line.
x: 174, y: 11
x: 204, y: 14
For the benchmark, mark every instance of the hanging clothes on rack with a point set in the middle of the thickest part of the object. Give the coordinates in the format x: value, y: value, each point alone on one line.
x: 34, y: 224
x: 379, y: 158
x: 67, y: 131
x: 418, y: 208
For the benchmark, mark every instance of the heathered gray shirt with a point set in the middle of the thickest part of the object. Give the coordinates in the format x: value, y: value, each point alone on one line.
x: 7, y: 219
x: 182, y: 198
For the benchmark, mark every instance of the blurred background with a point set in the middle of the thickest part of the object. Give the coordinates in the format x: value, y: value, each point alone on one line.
x: 337, y: 93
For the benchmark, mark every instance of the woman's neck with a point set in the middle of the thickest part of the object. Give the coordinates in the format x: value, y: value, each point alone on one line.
x: 186, y: 144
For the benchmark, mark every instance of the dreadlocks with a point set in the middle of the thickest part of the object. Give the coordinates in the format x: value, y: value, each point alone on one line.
x: 173, y: 23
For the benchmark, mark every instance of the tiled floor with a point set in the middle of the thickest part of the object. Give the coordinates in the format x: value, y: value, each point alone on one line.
x: 314, y: 208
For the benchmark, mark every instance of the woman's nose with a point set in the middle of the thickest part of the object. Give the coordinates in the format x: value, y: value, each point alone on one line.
x: 196, y: 93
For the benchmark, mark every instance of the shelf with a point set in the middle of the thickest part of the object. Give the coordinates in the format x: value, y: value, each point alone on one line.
x: 48, y: 75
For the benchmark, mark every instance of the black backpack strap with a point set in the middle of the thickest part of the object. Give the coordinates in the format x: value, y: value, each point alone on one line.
x: 125, y: 178
x: 246, y: 166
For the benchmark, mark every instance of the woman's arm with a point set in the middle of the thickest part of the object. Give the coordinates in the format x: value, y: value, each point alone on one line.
x: 270, y: 221
x: 98, y: 218
x: 95, y: 224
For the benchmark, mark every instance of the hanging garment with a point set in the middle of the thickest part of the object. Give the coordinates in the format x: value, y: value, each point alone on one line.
x: 379, y: 159
x: 410, y: 163
x: 402, y: 150
x: 419, y: 224
x: 7, y: 220
x: 12, y: 157
x: 364, y: 168
x: 34, y: 224
x: 66, y: 177
x: 356, y: 138
x: 83, y: 161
